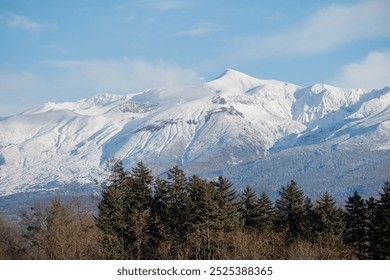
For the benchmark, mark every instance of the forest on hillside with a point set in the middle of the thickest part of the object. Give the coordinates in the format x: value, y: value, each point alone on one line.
x: 186, y: 217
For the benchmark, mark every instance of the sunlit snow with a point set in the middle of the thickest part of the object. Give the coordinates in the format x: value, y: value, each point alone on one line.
x: 262, y: 132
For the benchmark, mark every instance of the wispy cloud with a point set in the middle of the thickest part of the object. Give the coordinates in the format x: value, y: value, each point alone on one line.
x: 15, y: 91
x: 372, y: 72
x: 166, y: 5
x: 195, y: 32
x: 14, y: 83
x: 22, y: 22
x: 327, y: 29
x: 199, y: 30
x: 66, y: 80
x: 123, y: 75
x: 149, y: 20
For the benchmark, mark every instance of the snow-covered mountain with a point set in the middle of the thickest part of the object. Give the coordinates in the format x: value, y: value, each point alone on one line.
x: 262, y: 132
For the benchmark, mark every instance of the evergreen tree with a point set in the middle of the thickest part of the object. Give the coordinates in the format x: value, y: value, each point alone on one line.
x: 159, y: 223
x: 248, y: 210
x: 111, y: 218
x: 137, y: 200
x: 311, y: 223
x: 140, y: 189
x: 172, y: 205
x: 330, y: 218
x: 355, y: 228
x: 179, y: 203
x: 370, y: 234
x: 205, y: 211
x: 290, y: 211
x: 228, y: 202
x: 382, y: 224
x: 124, y: 212
x: 205, y: 217
x: 265, y: 212
x: 118, y: 175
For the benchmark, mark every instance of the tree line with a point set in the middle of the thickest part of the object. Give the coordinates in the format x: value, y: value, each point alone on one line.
x: 180, y: 217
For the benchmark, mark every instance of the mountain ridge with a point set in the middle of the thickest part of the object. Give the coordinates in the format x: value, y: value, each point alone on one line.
x: 229, y: 125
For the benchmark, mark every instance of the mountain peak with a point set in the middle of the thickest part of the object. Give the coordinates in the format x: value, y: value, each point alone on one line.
x: 233, y: 74
x: 317, y: 88
x: 233, y: 80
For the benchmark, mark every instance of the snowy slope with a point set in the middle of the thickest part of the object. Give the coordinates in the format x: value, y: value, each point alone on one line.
x: 262, y: 132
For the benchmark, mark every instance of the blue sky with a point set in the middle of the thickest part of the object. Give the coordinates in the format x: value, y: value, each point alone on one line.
x: 68, y: 50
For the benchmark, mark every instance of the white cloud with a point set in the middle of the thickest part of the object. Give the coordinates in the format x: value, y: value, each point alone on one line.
x: 123, y: 76
x: 25, y: 23
x: 372, y: 72
x: 327, y: 29
x: 73, y: 80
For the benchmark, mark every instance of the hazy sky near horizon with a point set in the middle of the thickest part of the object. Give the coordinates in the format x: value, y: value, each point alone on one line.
x: 69, y: 50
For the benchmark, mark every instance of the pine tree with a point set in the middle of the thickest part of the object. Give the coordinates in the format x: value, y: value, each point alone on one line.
x: 111, y: 218
x: 140, y: 190
x: 370, y: 236
x: 172, y: 206
x: 137, y: 200
x: 179, y: 203
x: 125, y: 211
x: 265, y: 213
x: 228, y: 203
x: 205, y: 209
x: 330, y: 218
x: 382, y: 224
x: 118, y: 175
x: 355, y: 228
x: 248, y: 211
x: 290, y: 211
x: 159, y: 223
x: 311, y: 223
x: 205, y: 217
